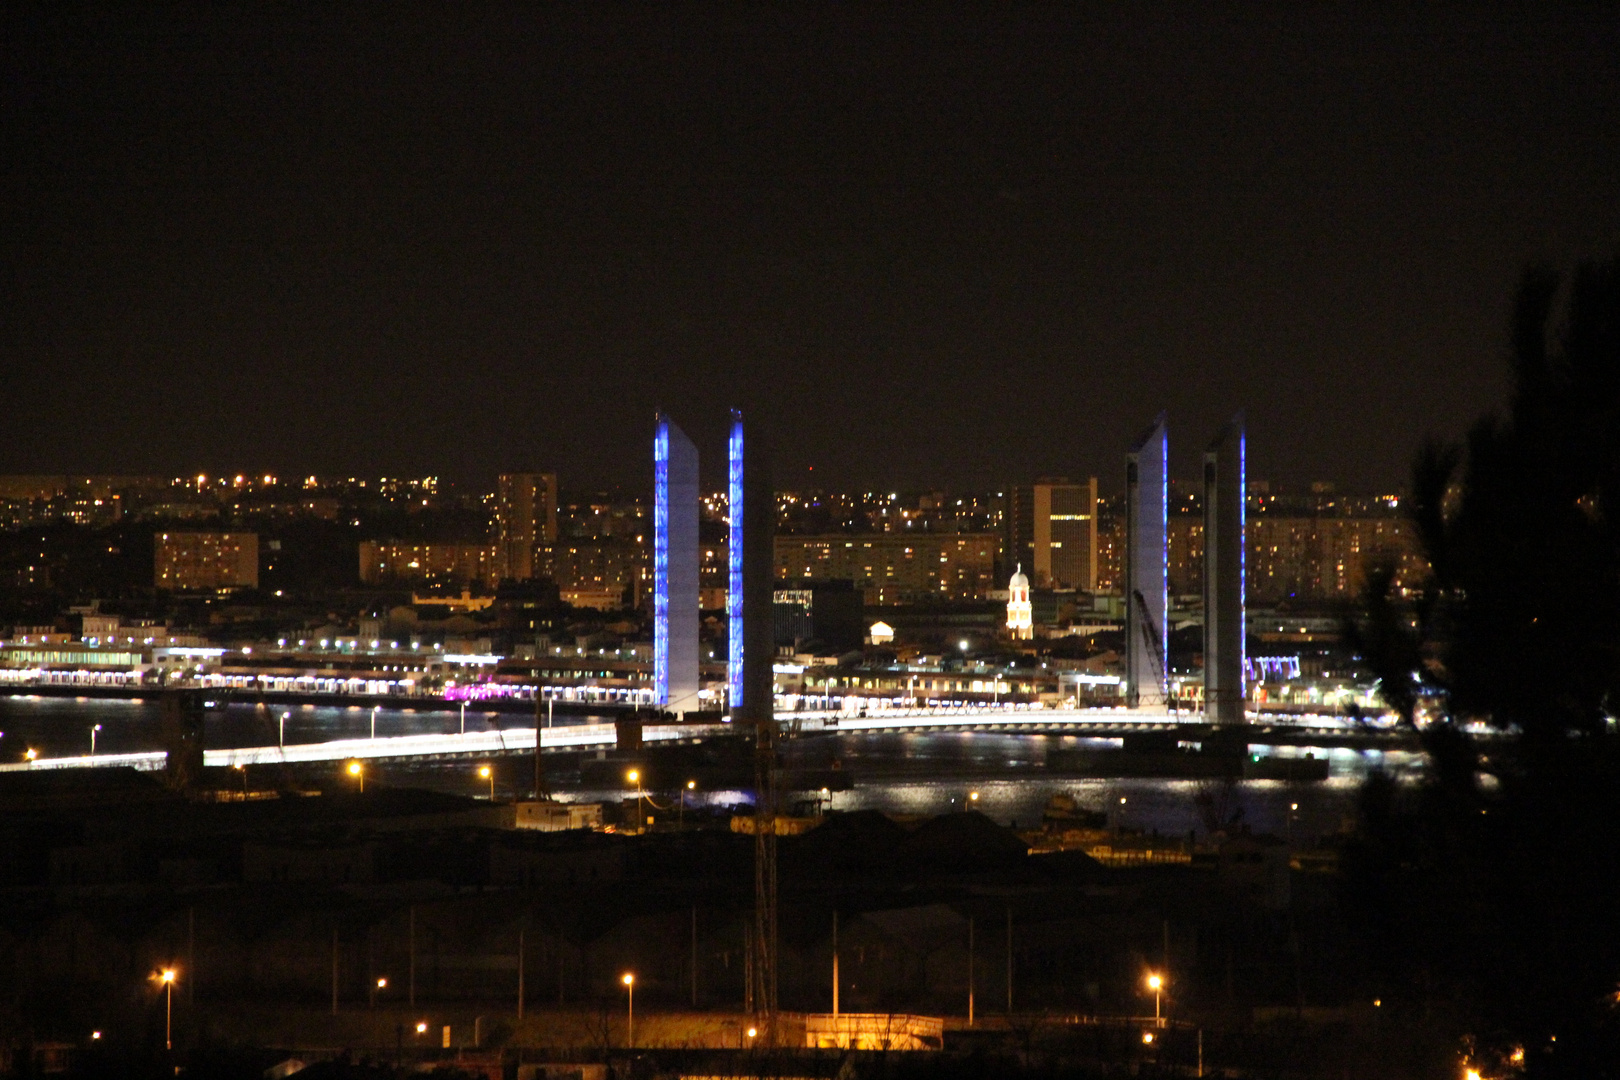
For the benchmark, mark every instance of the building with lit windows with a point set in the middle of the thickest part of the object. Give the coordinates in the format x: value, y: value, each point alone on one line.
x: 525, y: 515
x: 407, y: 562
x: 894, y: 568
x: 206, y: 560
x: 1065, y: 534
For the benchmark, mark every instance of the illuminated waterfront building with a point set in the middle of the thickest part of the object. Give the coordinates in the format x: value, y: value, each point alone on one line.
x: 675, y: 568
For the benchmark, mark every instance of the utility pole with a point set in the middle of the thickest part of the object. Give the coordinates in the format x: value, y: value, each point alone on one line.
x: 835, y: 961
x: 764, y: 951
x: 412, y: 982
x: 1009, y: 960
x: 539, y: 768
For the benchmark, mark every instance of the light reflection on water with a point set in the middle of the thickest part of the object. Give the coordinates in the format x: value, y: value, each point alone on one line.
x: 913, y: 774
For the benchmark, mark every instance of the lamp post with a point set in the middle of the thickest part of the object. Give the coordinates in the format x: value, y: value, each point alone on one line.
x: 374, y: 721
x: 281, y: 732
x: 680, y: 821
x: 487, y: 773
x: 382, y: 984
x: 629, y: 981
x: 1155, y: 983
x: 167, y: 976
x: 634, y: 776
x: 93, y: 731
x: 358, y: 771
x: 464, y: 716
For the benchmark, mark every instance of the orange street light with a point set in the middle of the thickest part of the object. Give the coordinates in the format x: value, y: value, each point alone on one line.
x: 166, y: 976
x: 358, y: 771
x: 1155, y: 983
x: 487, y: 773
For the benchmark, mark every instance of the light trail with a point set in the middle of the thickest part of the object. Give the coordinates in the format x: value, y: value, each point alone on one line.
x: 473, y: 743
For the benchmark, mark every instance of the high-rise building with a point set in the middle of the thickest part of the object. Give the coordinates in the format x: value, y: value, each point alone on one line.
x: 1064, y: 534
x: 1018, y: 530
x: 206, y: 560
x: 1224, y: 566
x: 1147, y: 600
x: 525, y: 515
x: 675, y: 568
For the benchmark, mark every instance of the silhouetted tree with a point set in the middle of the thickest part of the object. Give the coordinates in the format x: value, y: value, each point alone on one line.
x: 1495, y: 887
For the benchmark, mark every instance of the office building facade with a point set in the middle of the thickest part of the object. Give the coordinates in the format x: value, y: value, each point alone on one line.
x: 1064, y: 534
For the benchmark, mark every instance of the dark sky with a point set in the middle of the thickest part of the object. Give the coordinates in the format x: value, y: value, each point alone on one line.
x: 926, y: 245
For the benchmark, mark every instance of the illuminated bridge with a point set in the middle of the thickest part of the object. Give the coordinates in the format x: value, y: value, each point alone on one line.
x: 1309, y: 730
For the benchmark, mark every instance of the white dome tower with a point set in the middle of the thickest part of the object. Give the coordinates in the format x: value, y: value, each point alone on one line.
x: 1020, y: 613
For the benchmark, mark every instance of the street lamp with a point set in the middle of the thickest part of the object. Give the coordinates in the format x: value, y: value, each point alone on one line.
x: 167, y: 978
x: 487, y: 773
x: 629, y: 981
x: 382, y: 984
x: 281, y: 731
x: 93, y: 731
x: 634, y: 776
x: 1156, y: 984
x: 358, y: 771
x: 374, y: 721
x: 680, y: 821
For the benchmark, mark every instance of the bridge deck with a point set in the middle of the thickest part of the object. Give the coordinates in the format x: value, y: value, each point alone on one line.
x: 1089, y: 723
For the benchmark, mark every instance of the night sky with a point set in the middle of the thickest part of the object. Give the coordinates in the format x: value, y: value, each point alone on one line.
x: 925, y: 245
